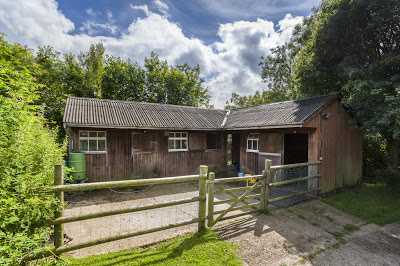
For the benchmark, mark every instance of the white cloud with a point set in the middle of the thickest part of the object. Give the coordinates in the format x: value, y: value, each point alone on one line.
x: 143, y: 8
x: 93, y: 26
x: 162, y: 7
x: 245, y: 9
x: 229, y: 65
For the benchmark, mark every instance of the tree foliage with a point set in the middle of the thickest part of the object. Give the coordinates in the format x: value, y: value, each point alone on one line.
x: 353, y: 48
x: 94, y: 74
x: 28, y: 152
x: 156, y: 82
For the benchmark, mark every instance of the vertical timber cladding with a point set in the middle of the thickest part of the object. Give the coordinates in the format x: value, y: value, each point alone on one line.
x: 270, y: 147
x: 338, y: 144
x: 144, y: 153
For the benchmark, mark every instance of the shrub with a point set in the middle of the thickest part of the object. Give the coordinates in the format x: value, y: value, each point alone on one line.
x: 374, y: 157
x: 28, y: 152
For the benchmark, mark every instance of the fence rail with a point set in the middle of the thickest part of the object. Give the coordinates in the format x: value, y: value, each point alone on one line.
x: 246, y: 198
x: 59, y: 189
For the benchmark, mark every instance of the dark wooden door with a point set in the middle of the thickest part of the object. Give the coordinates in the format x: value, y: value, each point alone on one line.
x: 120, y: 154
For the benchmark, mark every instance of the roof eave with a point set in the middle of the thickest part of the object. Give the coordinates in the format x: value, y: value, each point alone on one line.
x: 71, y: 125
x: 266, y: 127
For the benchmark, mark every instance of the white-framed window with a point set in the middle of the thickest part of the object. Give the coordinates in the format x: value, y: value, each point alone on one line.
x: 252, y: 143
x: 177, y: 141
x: 92, y: 141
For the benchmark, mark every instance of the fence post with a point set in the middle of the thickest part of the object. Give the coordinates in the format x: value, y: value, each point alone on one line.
x: 202, y: 197
x: 59, y: 228
x: 265, y: 190
x: 210, y: 195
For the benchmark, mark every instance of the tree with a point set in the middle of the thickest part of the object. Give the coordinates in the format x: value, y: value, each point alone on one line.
x: 353, y: 48
x: 179, y: 85
x: 93, y: 62
x: 258, y: 98
x: 123, y: 80
x: 52, y: 90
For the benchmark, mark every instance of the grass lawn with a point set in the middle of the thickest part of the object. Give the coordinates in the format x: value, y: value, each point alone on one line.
x: 194, y: 249
x: 374, y: 203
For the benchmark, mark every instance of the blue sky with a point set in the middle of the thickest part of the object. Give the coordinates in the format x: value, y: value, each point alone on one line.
x: 226, y: 38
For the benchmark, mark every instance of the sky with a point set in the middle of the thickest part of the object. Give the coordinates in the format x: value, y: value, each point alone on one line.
x: 225, y: 38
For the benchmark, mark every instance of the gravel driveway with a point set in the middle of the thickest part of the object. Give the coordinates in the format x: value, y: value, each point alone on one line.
x: 310, y: 233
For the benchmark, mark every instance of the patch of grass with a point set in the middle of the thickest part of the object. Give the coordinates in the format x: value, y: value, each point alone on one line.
x: 195, y: 249
x: 374, y: 203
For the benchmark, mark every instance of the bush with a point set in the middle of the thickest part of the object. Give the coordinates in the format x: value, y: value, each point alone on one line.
x: 28, y: 152
x: 374, y: 157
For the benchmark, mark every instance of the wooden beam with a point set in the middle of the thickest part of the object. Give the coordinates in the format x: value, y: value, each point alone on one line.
x: 222, y: 190
x: 286, y: 182
x: 231, y: 200
x: 64, y: 249
x: 210, y: 195
x: 62, y: 220
x: 202, y: 197
x: 286, y: 166
x: 125, y: 183
x: 236, y: 179
x: 59, y: 228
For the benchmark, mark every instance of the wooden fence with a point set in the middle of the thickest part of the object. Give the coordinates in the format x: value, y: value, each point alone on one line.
x: 253, y: 197
x: 259, y: 191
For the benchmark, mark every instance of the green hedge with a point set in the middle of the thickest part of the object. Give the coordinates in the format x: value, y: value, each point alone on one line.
x: 28, y: 152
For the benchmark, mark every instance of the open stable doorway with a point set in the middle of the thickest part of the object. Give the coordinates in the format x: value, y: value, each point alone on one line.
x: 295, y: 148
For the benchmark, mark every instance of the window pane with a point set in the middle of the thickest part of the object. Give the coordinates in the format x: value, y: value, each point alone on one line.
x: 83, y: 145
x: 92, y: 145
x: 170, y: 144
x: 248, y: 144
x: 184, y: 144
x: 102, y: 145
x: 92, y: 134
x: 101, y: 134
x: 178, y: 144
x: 83, y: 133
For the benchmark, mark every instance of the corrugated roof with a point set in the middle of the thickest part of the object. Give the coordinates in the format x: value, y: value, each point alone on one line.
x: 289, y: 113
x: 89, y: 112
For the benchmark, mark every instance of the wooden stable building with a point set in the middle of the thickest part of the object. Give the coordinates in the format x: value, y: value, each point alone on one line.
x: 124, y: 139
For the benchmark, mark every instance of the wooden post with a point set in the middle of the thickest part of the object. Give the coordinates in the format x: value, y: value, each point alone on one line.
x: 59, y: 228
x: 210, y: 195
x: 265, y: 190
x: 202, y: 197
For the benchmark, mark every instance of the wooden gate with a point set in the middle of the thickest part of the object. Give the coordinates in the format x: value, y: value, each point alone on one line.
x: 254, y: 193
x: 248, y: 194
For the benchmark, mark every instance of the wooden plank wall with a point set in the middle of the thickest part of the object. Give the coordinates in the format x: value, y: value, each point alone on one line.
x: 142, y: 154
x: 270, y: 141
x: 339, y: 144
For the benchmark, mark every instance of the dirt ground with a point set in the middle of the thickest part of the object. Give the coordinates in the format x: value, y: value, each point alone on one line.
x: 310, y: 233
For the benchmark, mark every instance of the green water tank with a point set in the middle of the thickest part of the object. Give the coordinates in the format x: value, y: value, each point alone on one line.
x: 78, y: 164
